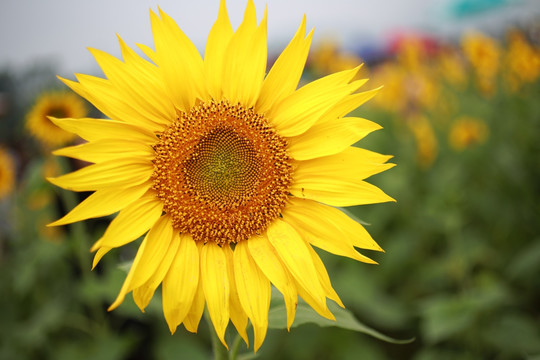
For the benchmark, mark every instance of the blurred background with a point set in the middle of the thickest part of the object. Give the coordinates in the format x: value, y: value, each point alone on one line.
x: 461, y: 114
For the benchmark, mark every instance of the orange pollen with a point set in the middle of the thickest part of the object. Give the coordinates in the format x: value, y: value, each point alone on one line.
x: 222, y: 172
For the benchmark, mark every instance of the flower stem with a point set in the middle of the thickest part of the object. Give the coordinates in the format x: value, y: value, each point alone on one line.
x: 235, y: 347
x: 220, y: 351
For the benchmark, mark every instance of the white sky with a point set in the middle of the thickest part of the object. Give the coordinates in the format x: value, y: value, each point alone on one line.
x: 61, y: 30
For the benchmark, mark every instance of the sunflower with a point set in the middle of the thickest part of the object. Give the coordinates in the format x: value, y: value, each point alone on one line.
x: 59, y: 104
x: 467, y: 131
x: 233, y: 174
x: 7, y: 173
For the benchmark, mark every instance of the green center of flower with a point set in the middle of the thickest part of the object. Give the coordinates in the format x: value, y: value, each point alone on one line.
x: 223, y: 166
x: 222, y: 172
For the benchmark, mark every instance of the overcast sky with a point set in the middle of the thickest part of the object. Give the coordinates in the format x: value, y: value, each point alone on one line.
x: 61, y: 30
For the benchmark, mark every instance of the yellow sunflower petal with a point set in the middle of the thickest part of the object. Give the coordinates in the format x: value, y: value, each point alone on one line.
x: 107, y: 150
x: 284, y: 75
x: 158, y: 241
x: 320, y: 308
x: 217, y: 42
x: 110, y: 100
x: 181, y: 282
x: 216, y: 287
x: 329, y: 137
x: 152, y: 79
x: 99, y: 129
x: 340, y: 192
x: 184, y: 79
x: 99, y: 255
x: 193, y: 317
x: 351, y: 164
x: 144, y: 293
x: 294, y: 253
x: 349, y: 103
x: 126, y: 287
x: 245, y: 60
x: 267, y: 260
x: 103, y: 202
x: 148, y: 51
x: 324, y: 278
x: 253, y: 290
x: 300, y: 110
x: 132, y: 222
x: 329, y: 229
x: 238, y: 315
x: 139, y: 86
x: 116, y: 173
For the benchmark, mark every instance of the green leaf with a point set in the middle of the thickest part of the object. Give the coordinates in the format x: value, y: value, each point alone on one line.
x: 305, y: 314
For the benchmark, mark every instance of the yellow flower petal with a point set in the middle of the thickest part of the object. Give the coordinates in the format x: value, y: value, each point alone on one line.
x: 110, y: 100
x: 126, y: 287
x: 99, y: 129
x: 320, y: 308
x: 294, y: 253
x: 253, y: 290
x: 140, y: 87
x: 300, y: 110
x: 238, y: 315
x: 193, y: 317
x: 351, y: 164
x: 107, y: 150
x: 329, y: 229
x: 245, y: 60
x: 216, y: 287
x: 132, y: 222
x: 284, y: 75
x: 324, y: 278
x: 116, y: 173
x: 329, y: 137
x: 179, y: 61
x: 268, y: 261
x: 181, y: 282
x: 158, y: 241
x: 339, y: 192
x: 99, y: 255
x: 103, y: 202
x: 216, y: 45
x: 349, y: 103
x: 144, y: 293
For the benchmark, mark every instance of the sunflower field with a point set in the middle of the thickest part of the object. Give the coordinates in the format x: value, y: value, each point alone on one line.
x: 460, y: 274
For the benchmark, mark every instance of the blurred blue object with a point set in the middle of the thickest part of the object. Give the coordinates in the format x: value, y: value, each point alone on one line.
x: 461, y: 8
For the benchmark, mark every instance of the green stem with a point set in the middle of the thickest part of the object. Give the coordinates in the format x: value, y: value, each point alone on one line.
x: 235, y: 347
x: 220, y: 351
x: 79, y: 242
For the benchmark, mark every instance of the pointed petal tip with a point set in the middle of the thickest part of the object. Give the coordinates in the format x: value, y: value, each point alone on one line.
x: 172, y: 329
x: 56, y: 223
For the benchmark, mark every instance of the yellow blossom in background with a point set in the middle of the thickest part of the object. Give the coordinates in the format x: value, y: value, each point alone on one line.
x: 411, y: 53
x: 327, y: 57
x: 467, y: 131
x: 392, y: 97
x: 7, y: 174
x: 234, y: 175
x: 422, y: 90
x: 484, y: 54
x: 57, y: 104
x: 426, y: 142
x: 451, y: 68
x: 522, y: 61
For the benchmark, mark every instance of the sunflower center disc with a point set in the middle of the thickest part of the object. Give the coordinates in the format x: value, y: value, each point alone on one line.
x: 223, y: 167
x: 222, y: 172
